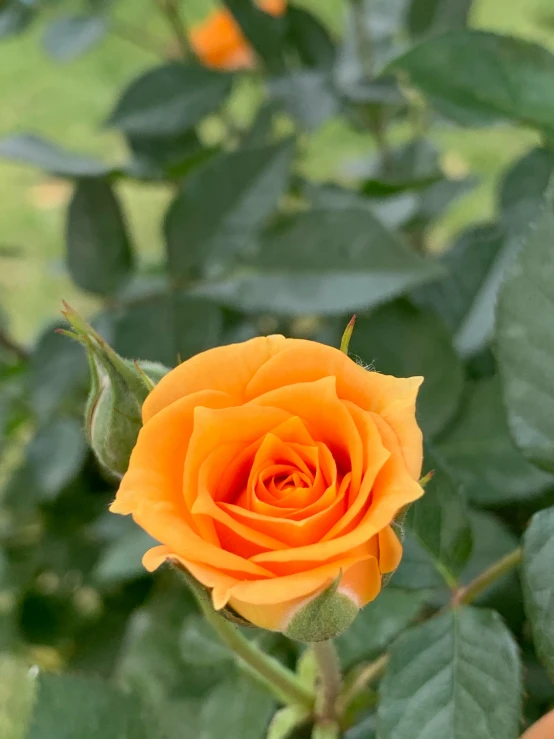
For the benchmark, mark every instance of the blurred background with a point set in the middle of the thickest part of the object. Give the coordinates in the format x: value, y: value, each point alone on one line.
x: 73, y: 594
x: 68, y: 101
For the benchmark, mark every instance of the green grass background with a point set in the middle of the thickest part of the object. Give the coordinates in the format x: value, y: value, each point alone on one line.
x: 68, y: 103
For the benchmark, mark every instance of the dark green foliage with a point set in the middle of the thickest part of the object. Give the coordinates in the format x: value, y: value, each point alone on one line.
x: 260, y: 235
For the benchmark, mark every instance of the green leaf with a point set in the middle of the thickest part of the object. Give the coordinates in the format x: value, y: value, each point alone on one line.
x: 52, y: 158
x: 15, y: 16
x: 307, y: 96
x: 220, y: 206
x: 235, y: 709
x: 56, y: 455
x: 325, y: 261
x: 492, y: 540
x: 439, y: 521
x: 290, y: 722
x: 538, y: 584
x: 482, y: 455
x: 434, y: 200
x: 422, y: 346
x: 73, y: 707
x: 364, y: 730
x: 475, y: 76
x: 458, y: 673
x: 151, y: 664
x: 262, y: 127
x: 190, y: 325
x: 68, y: 37
x: 99, y: 254
x: 479, y: 260
x: 379, y: 623
x: 169, y: 100
x: 416, y: 571
x: 465, y: 299
x: 155, y: 157
x: 122, y: 559
x: 524, y: 340
x: 309, y: 38
x: 432, y: 16
x: 523, y: 190
x: 59, y: 374
x: 412, y: 166
x: 199, y: 645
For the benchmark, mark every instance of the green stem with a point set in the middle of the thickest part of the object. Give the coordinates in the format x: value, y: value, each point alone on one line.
x: 171, y: 10
x: 470, y: 592
x: 281, y: 681
x: 136, y: 36
x: 367, y: 675
x: 364, y: 45
x: 364, y: 48
x: 330, y: 679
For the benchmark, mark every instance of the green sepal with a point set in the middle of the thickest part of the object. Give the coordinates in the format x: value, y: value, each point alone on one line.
x: 325, y: 617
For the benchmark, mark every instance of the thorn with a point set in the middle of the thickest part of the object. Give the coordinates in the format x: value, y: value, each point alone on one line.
x: 347, y: 335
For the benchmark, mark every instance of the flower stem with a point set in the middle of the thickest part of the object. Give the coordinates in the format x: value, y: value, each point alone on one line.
x: 330, y: 679
x: 172, y: 12
x: 280, y: 680
x: 368, y: 674
x: 468, y: 593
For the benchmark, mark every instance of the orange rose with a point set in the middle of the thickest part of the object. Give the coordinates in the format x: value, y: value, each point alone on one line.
x: 219, y: 42
x: 272, y: 469
x: 543, y: 729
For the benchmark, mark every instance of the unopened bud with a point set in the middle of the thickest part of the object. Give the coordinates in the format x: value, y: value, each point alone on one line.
x: 118, y: 389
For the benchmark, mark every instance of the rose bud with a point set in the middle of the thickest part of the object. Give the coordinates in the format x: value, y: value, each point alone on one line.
x: 272, y: 472
x: 118, y: 390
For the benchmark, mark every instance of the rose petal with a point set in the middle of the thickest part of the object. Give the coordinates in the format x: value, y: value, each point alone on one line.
x: 325, y: 418
x: 390, y: 550
x: 393, y: 398
x: 210, y: 370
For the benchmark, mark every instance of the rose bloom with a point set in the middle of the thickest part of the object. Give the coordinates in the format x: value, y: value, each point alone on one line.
x: 270, y: 470
x: 219, y: 42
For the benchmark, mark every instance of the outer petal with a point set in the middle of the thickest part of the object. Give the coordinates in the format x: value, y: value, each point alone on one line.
x: 362, y: 582
x: 282, y: 589
x: 226, y: 369
x: 151, y: 490
x: 390, y: 550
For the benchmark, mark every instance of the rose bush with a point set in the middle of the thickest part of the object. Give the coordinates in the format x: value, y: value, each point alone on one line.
x: 272, y: 468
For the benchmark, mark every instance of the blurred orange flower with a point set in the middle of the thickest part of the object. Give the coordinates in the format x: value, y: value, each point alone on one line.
x: 543, y: 729
x: 219, y: 42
